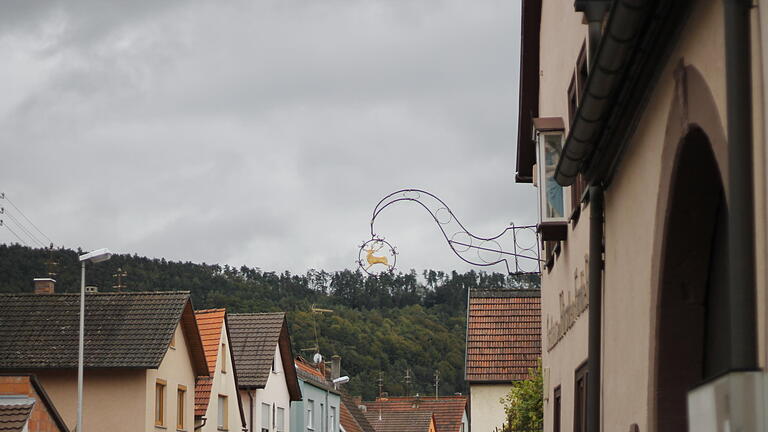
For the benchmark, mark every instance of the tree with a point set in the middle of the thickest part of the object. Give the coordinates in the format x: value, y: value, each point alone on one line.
x: 523, y: 404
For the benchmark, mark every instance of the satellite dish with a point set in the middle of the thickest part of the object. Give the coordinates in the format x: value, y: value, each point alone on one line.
x: 317, y: 358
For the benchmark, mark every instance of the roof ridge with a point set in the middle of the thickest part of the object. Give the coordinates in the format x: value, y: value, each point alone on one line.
x: 212, y: 310
x: 256, y: 313
x: 27, y: 294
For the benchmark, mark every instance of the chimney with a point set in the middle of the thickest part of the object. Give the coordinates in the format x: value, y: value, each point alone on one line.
x: 335, y: 367
x: 44, y: 285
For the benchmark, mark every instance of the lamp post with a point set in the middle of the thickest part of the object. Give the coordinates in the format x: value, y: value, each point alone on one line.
x: 96, y: 256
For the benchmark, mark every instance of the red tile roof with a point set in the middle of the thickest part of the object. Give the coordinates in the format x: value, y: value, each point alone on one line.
x: 400, y: 421
x: 448, y: 410
x: 303, y: 366
x: 503, y: 335
x: 209, y: 322
x: 351, y: 418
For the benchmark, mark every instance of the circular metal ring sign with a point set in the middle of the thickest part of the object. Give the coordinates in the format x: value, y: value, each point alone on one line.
x: 377, y: 256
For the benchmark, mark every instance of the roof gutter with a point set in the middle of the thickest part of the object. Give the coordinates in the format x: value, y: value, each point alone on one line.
x: 631, y: 55
x: 607, y: 69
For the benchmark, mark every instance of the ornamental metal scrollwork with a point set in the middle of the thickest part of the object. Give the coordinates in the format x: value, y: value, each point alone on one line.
x: 377, y: 255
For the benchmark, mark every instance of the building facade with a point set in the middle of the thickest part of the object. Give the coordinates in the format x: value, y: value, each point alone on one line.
x: 641, y: 125
x: 265, y: 373
x: 503, y: 344
x: 320, y: 408
x: 139, y: 373
x: 218, y: 405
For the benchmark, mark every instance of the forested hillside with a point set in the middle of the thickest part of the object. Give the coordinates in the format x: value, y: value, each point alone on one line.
x: 379, y: 324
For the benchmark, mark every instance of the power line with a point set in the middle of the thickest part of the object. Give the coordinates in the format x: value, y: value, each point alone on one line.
x: 4, y: 196
x: 13, y: 232
x: 29, y: 234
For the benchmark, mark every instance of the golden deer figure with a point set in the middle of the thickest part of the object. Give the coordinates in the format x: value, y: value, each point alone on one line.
x: 372, y: 259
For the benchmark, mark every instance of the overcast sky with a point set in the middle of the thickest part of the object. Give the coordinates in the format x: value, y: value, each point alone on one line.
x: 259, y: 132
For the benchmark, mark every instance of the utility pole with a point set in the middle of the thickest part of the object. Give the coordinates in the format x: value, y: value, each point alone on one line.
x: 381, y: 383
x: 407, y: 381
x: 120, y: 275
x: 437, y: 384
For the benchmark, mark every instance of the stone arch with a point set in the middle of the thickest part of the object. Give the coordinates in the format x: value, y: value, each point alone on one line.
x: 691, y: 217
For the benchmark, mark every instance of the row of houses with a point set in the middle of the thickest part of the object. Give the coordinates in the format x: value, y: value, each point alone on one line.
x: 153, y: 363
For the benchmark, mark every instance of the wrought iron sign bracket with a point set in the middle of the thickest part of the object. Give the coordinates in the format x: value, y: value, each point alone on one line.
x: 521, y: 257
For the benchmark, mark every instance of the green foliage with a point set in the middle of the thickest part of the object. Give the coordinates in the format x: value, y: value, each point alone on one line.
x: 388, y: 323
x: 524, y: 403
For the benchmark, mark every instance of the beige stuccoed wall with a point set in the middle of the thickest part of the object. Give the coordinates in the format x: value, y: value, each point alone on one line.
x: 113, y: 399
x: 175, y: 369
x: 223, y: 384
x: 632, y: 201
x: 487, y: 411
x: 562, y: 38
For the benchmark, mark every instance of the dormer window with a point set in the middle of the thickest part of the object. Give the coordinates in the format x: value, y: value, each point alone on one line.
x: 549, y: 136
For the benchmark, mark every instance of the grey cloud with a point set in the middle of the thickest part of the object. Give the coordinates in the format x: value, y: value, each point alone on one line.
x: 260, y: 132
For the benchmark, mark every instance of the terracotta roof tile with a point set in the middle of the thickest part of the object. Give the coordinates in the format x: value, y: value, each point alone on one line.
x: 121, y: 329
x: 351, y: 418
x: 400, y: 421
x: 503, y: 335
x: 210, y: 323
x: 448, y: 410
x: 307, y: 372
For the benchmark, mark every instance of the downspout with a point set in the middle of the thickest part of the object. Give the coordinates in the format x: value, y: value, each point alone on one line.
x: 202, y: 425
x: 250, y: 404
x: 741, y: 219
x: 595, y: 306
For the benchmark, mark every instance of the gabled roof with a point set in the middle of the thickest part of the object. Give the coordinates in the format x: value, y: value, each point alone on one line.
x: 14, y: 412
x: 254, y: 337
x: 400, y: 421
x: 351, y: 418
x: 503, y: 335
x: 309, y: 373
x: 448, y: 410
x: 15, y: 386
x: 122, y: 330
x: 210, y: 322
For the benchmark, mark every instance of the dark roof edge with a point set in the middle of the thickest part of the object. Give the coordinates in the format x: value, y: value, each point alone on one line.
x: 286, y: 355
x: 193, y: 339
x: 615, y: 96
x: 528, y: 92
x: 234, y: 369
x: 504, y: 293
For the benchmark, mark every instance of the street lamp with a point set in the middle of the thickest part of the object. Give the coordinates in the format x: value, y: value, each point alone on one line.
x: 96, y: 256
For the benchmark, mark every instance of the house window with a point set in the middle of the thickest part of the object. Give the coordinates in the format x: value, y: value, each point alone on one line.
x: 332, y: 420
x: 322, y: 418
x: 280, y: 419
x: 181, y: 393
x: 160, y: 402
x: 551, y: 194
x: 266, y: 410
x: 310, y: 414
x: 224, y: 358
x: 580, y: 399
x: 223, y: 418
x: 573, y: 100
x: 556, y: 411
x: 173, y: 340
x: 582, y: 72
